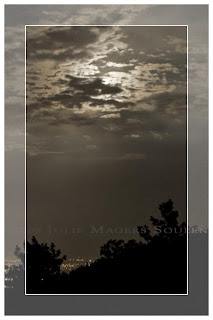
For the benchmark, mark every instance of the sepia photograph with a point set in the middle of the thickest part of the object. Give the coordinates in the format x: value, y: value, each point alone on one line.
x: 106, y: 160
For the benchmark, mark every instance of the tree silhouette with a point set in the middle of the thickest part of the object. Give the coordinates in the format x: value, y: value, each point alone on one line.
x: 43, y: 264
x: 19, y: 254
x: 167, y: 227
x: 112, y: 249
x: 155, y: 265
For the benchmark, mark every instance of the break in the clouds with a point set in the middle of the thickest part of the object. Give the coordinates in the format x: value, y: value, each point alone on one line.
x: 106, y: 82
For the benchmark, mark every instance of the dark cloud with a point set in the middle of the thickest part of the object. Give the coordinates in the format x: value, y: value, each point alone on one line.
x: 79, y: 90
x: 60, y: 43
x: 92, y: 87
x: 118, y: 104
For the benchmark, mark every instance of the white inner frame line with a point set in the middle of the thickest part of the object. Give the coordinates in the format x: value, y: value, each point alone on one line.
x: 187, y: 115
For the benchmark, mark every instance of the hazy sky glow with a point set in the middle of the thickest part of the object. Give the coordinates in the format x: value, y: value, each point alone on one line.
x: 106, y: 128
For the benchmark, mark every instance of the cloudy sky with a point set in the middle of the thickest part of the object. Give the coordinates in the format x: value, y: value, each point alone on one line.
x: 144, y: 180
x: 106, y: 128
